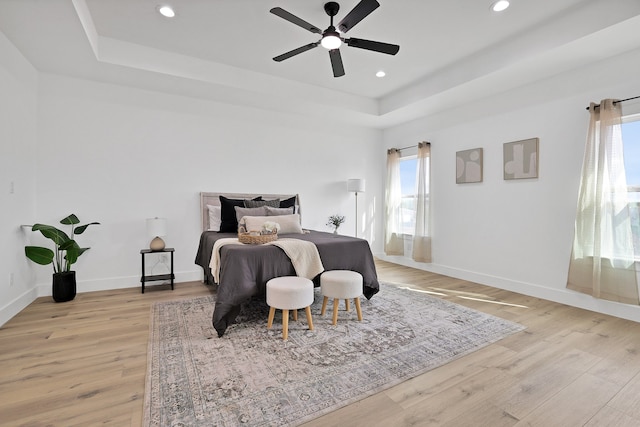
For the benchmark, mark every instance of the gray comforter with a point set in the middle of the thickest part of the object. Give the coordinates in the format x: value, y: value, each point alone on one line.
x: 245, y: 269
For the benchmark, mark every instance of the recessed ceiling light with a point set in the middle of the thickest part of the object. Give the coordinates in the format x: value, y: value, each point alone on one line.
x: 166, y: 11
x: 500, y: 5
x: 381, y: 74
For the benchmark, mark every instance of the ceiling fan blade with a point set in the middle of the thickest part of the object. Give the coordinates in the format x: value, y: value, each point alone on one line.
x: 357, y: 14
x: 278, y: 11
x: 294, y: 52
x: 389, y: 49
x: 336, y: 62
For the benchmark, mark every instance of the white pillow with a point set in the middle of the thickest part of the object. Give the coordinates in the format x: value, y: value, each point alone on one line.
x: 289, y: 224
x: 215, y: 217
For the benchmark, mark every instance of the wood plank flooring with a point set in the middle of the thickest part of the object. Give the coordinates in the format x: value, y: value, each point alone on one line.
x: 83, y: 363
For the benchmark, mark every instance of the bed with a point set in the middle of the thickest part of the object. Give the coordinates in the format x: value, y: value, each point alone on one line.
x: 245, y: 269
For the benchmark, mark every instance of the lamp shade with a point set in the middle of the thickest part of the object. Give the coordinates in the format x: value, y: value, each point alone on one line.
x: 156, y: 227
x: 355, y: 185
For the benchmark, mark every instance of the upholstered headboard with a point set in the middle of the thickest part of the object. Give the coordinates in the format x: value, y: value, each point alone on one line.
x: 213, y: 199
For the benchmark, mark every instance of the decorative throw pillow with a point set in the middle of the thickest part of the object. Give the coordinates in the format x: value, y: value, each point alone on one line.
x: 278, y: 211
x: 241, y: 212
x: 289, y: 224
x: 252, y: 223
x: 257, y: 203
x: 229, y: 223
x: 288, y: 203
x: 215, y: 217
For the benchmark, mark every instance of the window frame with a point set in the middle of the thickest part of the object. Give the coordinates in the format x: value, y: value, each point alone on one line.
x: 413, y: 199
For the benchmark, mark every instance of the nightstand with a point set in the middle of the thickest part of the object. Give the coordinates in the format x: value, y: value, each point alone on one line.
x: 155, y: 277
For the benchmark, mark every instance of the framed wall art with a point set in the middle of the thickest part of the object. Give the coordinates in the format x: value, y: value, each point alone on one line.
x: 469, y: 166
x: 520, y: 159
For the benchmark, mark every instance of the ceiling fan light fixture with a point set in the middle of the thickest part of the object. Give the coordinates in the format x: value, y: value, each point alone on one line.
x: 331, y: 40
x: 166, y: 11
x: 499, y: 5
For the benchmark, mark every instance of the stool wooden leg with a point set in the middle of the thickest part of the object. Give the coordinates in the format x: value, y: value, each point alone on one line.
x: 358, y: 309
x: 272, y: 312
x: 335, y: 310
x: 346, y: 305
x: 324, y: 306
x: 309, y: 320
x: 295, y: 315
x: 285, y: 324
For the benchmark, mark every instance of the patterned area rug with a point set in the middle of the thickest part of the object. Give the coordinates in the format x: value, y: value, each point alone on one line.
x: 251, y: 376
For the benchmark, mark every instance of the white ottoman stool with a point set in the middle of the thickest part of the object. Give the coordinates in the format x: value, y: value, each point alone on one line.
x: 289, y: 293
x: 341, y: 284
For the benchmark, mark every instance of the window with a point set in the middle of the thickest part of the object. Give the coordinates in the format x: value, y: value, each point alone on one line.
x: 409, y: 189
x: 631, y: 141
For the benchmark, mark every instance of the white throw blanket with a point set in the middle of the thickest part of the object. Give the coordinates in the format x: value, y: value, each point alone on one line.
x: 214, y: 264
x: 303, y: 255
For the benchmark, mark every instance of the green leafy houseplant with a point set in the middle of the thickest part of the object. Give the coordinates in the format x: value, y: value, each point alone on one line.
x: 66, y: 250
x: 64, y: 254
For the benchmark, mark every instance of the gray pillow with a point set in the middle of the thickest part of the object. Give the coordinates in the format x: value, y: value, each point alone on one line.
x: 278, y: 211
x: 257, y: 203
x: 259, y: 211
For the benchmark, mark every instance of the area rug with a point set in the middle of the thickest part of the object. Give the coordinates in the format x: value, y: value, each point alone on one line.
x: 252, y: 377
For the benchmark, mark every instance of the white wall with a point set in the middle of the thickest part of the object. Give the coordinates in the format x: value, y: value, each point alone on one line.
x: 118, y: 155
x: 18, y: 90
x: 517, y: 235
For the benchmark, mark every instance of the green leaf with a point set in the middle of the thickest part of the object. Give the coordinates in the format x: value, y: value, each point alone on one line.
x: 80, y: 229
x: 42, y: 256
x: 73, y: 254
x: 70, y: 220
x: 73, y: 251
x: 69, y: 244
x: 50, y: 232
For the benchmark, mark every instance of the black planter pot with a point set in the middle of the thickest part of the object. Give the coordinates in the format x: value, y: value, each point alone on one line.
x: 64, y: 286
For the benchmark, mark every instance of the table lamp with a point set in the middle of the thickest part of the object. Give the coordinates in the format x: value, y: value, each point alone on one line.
x: 156, y: 228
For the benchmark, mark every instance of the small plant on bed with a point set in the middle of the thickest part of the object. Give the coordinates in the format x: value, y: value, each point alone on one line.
x: 335, y: 221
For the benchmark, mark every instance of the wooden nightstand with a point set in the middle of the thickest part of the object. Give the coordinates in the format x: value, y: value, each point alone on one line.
x: 155, y: 277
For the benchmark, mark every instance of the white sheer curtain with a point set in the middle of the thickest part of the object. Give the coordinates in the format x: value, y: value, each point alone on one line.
x: 602, y: 259
x: 422, y: 237
x: 393, y: 240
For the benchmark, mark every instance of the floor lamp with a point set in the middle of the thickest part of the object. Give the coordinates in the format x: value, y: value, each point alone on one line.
x: 356, y: 186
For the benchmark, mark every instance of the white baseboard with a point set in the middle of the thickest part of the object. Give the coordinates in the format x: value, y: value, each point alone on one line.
x: 562, y: 296
x: 121, y: 282
x: 17, y: 305
x: 44, y: 289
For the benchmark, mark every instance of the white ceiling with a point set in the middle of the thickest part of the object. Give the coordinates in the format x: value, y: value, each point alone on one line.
x: 450, y: 50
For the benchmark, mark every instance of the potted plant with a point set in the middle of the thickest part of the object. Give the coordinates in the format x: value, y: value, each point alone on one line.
x: 335, y: 221
x: 65, y: 254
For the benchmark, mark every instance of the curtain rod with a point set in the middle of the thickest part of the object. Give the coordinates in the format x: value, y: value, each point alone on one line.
x: 615, y: 102
x: 412, y: 146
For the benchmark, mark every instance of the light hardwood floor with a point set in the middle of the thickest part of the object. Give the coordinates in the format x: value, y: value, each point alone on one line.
x: 83, y: 363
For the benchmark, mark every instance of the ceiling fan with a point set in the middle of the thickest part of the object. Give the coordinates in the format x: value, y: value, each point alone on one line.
x: 331, y: 38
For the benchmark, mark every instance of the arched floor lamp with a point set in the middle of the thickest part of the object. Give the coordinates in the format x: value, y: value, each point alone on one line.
x: 356, y: 186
